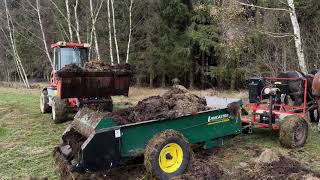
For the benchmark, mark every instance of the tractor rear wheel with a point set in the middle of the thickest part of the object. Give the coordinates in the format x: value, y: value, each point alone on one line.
x: 167, y: 155
x: 59, y: 110
x: 293, y: 131
x: 44, y: 100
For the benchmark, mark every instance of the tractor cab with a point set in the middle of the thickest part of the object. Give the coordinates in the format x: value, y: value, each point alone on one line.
x: 69, y: 53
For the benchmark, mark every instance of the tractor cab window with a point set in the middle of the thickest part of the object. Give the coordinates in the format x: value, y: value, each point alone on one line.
x: 65, y: 56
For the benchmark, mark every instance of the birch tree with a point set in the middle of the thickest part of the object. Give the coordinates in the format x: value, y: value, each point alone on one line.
x: 110, y: 33
x: 16, y: 56
x: 130, y: 31
x: 297, y: 37
x: 77, y: 20
x: 69, y: 20
x: 44, y: 39
x: 296, y: 30
x: 115, y: 31
x: 93, y: 34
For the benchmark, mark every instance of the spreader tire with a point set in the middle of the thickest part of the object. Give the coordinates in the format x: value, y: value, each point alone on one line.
x: 293, y: 131
x: 59, y: 110
x: 167, y: 155
x: 44, y: 100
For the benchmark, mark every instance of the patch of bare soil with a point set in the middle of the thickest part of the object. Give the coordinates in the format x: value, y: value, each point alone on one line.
x: 202, y: 169
x: 273, y: 165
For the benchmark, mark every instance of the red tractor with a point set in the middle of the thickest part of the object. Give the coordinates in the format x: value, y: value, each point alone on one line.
x: 70, y: 90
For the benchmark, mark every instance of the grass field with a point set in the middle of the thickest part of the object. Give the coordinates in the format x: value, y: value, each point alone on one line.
x: 27, y: 137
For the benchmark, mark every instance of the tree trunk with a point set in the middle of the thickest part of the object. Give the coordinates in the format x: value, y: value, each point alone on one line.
x: 16, y: 57
x: 163, y: 80
x: 115, y: 31
x: 130, y: 30
x: 77, y: 21
x: 297, y: 37
x: 138, y: 79
x: 151, y: 78
x: 110, y: 33
x: 69, y: 21
x: 233, y: 81
x: 202, y: 69
x: 43, y: 35
x: 191, y: 78
x: 93, y: 19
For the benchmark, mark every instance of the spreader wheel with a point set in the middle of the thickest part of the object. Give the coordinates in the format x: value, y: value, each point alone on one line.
x: 59, y: 110
x: 44, y: 100
x: 167, y: 154
x: 293, y: 131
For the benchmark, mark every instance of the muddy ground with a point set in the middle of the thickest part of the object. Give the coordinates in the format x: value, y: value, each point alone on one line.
x: 208, y: 165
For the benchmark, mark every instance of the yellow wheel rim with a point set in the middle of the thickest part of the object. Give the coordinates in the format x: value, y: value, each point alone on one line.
x: 170, y: 158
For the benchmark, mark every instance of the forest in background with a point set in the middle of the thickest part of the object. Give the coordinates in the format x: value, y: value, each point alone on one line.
x: 203, y: 43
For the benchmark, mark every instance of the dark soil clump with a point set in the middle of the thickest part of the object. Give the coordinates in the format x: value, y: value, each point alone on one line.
x: 172, y: 104
x: 71, y: 68
x: 98, y: 66
x: 284, y: 168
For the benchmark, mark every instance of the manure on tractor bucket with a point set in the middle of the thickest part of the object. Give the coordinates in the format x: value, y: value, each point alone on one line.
x: 160, y: 128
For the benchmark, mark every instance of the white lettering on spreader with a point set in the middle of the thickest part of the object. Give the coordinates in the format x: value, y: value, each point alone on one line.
x: 218, y: 117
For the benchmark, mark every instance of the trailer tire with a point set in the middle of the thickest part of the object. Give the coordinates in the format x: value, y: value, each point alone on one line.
x: 167, y: 154
x: 59, y: 110
x: 44, y: 100
x: 293, y: 131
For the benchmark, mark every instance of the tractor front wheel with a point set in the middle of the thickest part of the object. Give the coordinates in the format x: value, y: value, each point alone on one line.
x: 44, y: 100
x: 59, y: 110
x: 167, y: 155
x: 293, y: 131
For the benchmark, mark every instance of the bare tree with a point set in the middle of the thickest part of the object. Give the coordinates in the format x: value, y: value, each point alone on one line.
x: 69, y: 21
x: 130, y: 30
x: 15, y: 53
x: 77, y: 20
x: 296, y: 29
x: 110, y: 34
x: 44, y: 39
x: 93, y: 34
x: 297, y: 37
x: 115, y: 32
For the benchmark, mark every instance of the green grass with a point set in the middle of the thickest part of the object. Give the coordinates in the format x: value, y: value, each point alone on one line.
x: 28, y: 137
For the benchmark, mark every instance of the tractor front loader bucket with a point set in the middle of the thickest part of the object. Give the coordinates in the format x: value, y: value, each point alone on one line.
x: 92, y: 84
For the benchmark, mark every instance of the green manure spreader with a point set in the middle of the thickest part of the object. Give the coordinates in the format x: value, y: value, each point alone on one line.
x: 164, y: 143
